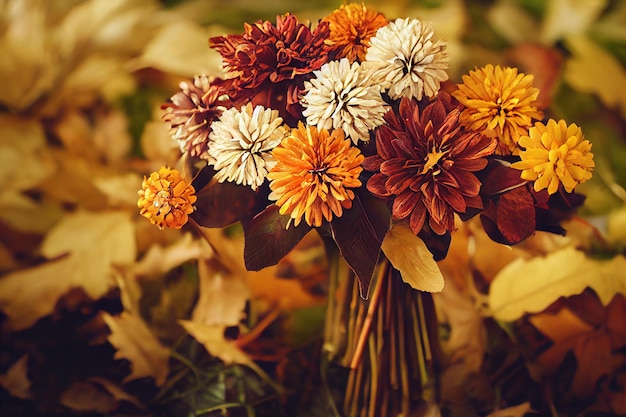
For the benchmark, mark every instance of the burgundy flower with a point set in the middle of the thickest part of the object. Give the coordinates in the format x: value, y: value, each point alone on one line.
x: 191, y: 111
x: 425, y: 162
x: 268, y: 64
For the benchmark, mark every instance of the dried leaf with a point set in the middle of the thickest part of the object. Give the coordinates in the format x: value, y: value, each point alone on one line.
x: 157, y: 144
x: 591, y: 346
x: 409, y: 255
x: 97, y: 395
x: 591, y: 69
x: 24, y: 159
x: 88, y: 397
x: 569, y: 17
x: 16, y: 381
x: 512, y: 22
x: 498, y: 177
x: 529, y: 286
x: 220, y: 204
x: 87, y: 246
x: 466, y: 342
x: 180, y: 47
x: 26, y: 215
x: 73, y: 182
x: 516, y: 215
x: 544, y: 63
x: 222, y: 296
x: 111, y: 137
x: 515, y: 411
x: 212, y: 338
x: 117, y: 391
x: 135, y: 341
x: 159, y: 260
x: 268, y: 239
x: 120, y: 189
x: 359, y: 234
x: 111, y: 233
x: 266, y: 285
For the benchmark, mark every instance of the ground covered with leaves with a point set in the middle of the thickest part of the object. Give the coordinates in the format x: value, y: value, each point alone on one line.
x: 102, y: 313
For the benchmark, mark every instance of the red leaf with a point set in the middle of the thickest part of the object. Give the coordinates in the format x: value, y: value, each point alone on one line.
x: 516, y: 215
x: 267, y: 240
x: 359, y: 233
x: 498, y: 177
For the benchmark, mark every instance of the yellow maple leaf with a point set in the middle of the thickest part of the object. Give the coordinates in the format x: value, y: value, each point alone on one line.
x: 592, y: 69
x: 135, y: 341
x: 82, y: 250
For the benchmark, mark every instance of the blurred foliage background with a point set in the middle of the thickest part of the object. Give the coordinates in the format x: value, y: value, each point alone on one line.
x: 103, y: 314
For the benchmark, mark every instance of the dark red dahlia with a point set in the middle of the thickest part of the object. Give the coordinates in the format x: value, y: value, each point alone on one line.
x: 425, y: 162
x: 191, y: 111
x: 269, y: 63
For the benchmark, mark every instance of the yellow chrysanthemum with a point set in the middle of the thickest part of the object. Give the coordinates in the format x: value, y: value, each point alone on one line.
x: 555, y: 154
x: 166, y: 199
x: 500, y: 102
x: 314, y: 173
x: 351, y: 28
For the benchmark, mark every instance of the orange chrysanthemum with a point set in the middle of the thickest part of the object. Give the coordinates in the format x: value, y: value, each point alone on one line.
x: 314, y: 173
x: 499, y: 102
x: 351, y: 28
x: 166, y: 199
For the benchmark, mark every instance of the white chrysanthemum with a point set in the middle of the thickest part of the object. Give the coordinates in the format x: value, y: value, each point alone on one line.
x: 240, y: 144
x: 406, y: 60
x: 342, y: 96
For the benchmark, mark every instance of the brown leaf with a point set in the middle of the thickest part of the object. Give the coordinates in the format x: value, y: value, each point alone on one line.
x: 117, y: 391
x: 212, y: 337
x: 268, y: 239
x: 359, y: 234
x: 221, y: 204
x: 97, y: 395
x: 563, y: 328
x: 134, y: 341
x: 88, y: 397
x: 515, y: 411
x: 16, y: 379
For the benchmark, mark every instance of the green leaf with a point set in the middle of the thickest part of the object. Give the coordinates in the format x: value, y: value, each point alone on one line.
x: 359, y: 234
x: 529, y: 286
x: 268, y: 239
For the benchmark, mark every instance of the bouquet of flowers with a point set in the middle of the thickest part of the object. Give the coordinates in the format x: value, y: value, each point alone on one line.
x: 351, y: 127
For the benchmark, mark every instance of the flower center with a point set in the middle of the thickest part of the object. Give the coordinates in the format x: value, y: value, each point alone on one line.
x: 162, y: 202
x: 431, y: 160
x: 318, y: 171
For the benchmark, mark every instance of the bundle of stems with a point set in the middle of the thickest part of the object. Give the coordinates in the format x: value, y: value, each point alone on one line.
x: 388, y: 341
